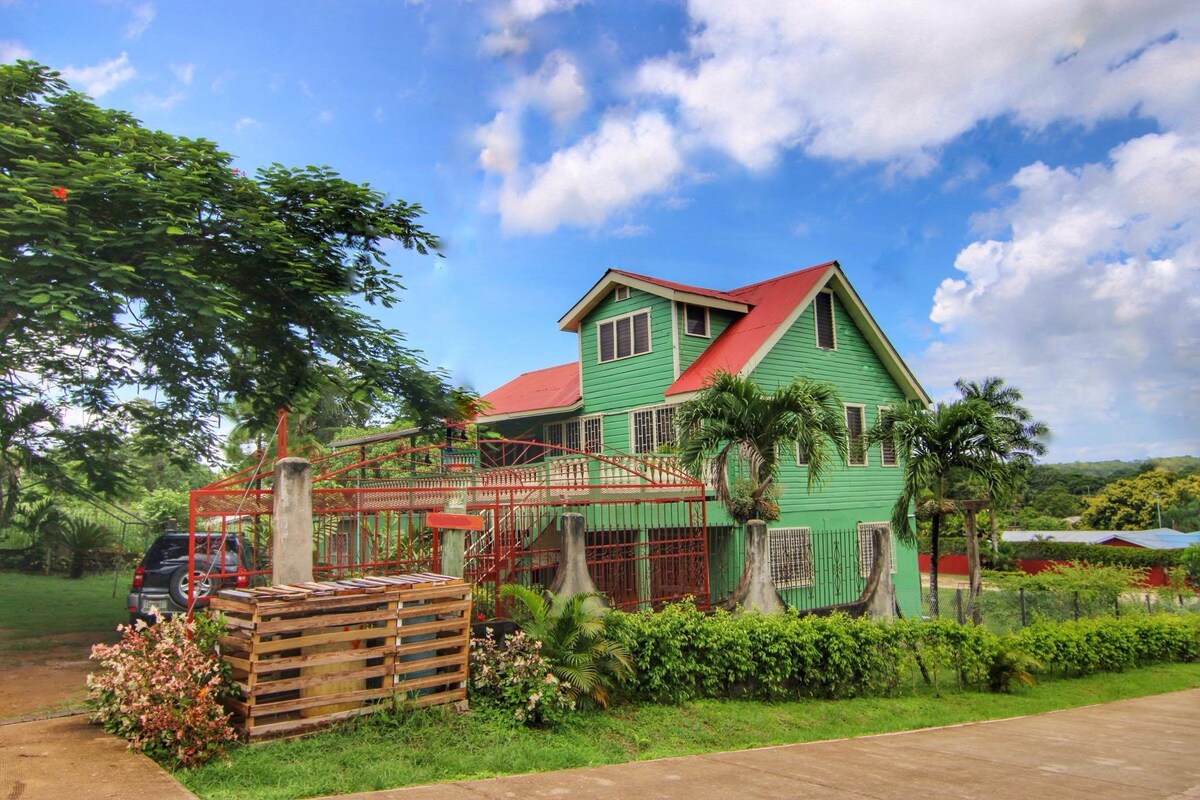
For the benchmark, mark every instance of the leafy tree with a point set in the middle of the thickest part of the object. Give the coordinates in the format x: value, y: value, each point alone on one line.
x: 963, y: 435
x: 583, y: 654
x: 81, y: 537
x: 1134, y: 503
x: 135, y: 262
x: 1056, y: 502
x: 732, y: 426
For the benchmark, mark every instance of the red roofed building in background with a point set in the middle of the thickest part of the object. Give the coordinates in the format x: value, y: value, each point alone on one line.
x: 647, y: 344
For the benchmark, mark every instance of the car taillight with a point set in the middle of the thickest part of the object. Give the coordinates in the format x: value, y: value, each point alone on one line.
x: 139, y: 576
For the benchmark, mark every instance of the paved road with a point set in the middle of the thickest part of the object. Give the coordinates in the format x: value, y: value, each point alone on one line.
x: 1129, y: 750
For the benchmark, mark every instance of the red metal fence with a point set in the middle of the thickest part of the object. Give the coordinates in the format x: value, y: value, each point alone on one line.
x: 644, y: 517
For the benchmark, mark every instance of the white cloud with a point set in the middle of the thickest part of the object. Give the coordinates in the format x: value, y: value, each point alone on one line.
x: 1096, y: 287
x: 11, y: 51
x: 630, y: 229
x: 184, y: 73
x: 325, y: 116
x: 556, y: 89
x: 161, y: 102
x: 894, y: 82
x: 246, y: 124
x: 627, y: 158
x: 100, y: 79
x: 511, y: 18
x: 500, y: 142
x: 139, y: 23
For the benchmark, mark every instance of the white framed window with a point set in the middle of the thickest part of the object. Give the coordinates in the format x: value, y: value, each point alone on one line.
x: 695, y: 321
x: 801, y: 456
x: 621, y: 293
x: 624, y: 336
x: 856, y: 427
x: 866, y: 546
x: 823, y: 308
x: 887, y: 447
x: 586, y: 434
x: 791, y: 557
x: 652, y: 428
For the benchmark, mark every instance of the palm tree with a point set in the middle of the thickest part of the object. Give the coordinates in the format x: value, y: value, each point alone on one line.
x: 960, y: 436
x: 732, y: 425
x: 1022, y: 434
x: 585, y: 658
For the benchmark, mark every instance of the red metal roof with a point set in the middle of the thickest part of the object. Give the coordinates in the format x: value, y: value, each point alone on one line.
x: 681, y: 287
x: 771, y: 302
x: 552, y: 387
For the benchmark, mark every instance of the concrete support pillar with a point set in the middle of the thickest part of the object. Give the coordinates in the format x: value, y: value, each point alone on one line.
x: 573, y: 576
x: 756, y: 591
x: 882, y: 604
x: 292, y: 538
x: 452, y: 550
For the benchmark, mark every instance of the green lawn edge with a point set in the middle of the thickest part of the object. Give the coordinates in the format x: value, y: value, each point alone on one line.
x: 388, y: 751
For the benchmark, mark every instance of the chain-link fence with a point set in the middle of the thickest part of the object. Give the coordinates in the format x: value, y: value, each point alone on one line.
x: 1004, y: 610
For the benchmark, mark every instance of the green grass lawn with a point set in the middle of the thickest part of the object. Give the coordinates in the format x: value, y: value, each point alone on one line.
x: 433, y: 745
x: 35, y: 606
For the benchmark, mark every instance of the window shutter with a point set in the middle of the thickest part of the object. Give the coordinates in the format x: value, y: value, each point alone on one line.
x: 624, y: 338
x: 641, y: 333
x: 608, y: 350
x: 791, y: 557
x: 824, y: 310
x: 854, y: 435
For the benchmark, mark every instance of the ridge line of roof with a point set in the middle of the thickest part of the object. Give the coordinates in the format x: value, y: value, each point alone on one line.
x: 791, y: 274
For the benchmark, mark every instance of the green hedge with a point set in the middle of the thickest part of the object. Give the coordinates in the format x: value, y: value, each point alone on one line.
x: 1070, y: 551
x: 683, y: 654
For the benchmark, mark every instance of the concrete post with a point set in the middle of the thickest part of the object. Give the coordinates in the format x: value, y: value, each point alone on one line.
x: 883, y: 603
x: 573, y: 576
x: 756, y: 591
x: 452, y: 550
x: 292, y: 537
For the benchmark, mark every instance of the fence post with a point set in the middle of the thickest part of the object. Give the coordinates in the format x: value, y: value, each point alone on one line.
x: 756, y: 590
x: 1075, y: 603
x: 1024, y: 613
x: 958, y: 606
x: 573, y: 576
x: 292, y: 532
x: 1148, y: 609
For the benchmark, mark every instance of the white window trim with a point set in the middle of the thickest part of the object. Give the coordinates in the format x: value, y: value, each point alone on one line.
x: 799, y: 463
x: 880, y: 411
x: 707, y: 328
x: 614, y: 320
x: 621, y: 293
x: 891, y: 536
x: 866, y: 452
x: 805, y: 577
x: 580, y: 421
x: 654, y: 417
x: 832, y: 322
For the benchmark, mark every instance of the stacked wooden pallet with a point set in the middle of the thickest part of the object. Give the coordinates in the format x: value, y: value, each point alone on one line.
x: 304, y: 655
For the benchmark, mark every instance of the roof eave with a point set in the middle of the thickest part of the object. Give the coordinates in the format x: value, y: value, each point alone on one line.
x: 534, y: 412
x: 570, y: 321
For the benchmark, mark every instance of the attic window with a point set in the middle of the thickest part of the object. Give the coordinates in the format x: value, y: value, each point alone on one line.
x: 824, y: 313
x: 695, y: 320
x: 621, y: 293
x: 622, y: 337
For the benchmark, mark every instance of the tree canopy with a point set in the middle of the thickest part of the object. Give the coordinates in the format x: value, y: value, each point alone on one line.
x: 145, y: 281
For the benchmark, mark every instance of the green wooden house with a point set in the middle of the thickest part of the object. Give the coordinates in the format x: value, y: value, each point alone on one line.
x: 646, y: 345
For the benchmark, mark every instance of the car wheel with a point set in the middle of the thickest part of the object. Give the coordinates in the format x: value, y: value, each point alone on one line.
x: 203, y: 584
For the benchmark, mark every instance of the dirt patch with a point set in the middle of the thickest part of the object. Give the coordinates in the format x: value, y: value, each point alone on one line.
x: 47, y: 674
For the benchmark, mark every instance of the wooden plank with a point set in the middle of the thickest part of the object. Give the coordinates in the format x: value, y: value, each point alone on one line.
x: 434, y: 591
x: 269, y: 729
x: 267, y: 666
x: 243, y: 664
x: 441, y: 679
x: 322, y: 621
x: 437, y: 698
x: 455, y: 606
x: 317, y: 603
x: 304, y: 681
x: 432, y: 627
x: 386, y: 631
x: 428, y: 645
x: 421, y: 664
x: 288, y: 706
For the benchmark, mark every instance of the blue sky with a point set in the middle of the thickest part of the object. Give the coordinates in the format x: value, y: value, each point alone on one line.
x: 1013, y: 188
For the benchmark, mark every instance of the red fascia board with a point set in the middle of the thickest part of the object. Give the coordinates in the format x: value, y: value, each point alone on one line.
x: 552, y: 387
x: 772, y: 303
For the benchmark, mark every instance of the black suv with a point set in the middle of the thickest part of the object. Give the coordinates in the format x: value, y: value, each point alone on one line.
x: 161, y: 581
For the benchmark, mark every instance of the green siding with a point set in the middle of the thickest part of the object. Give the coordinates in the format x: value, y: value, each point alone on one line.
x: 690, y: 347
x: 615, y: 387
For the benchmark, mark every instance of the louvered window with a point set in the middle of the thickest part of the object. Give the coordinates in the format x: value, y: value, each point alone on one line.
x: 624, y: 336
x: 887, y: 447
x: 652, y: 428
x: 791, y: 557
x: 866, y: 546
x: 621, y: 293
x: 855, y: 430
x: 824, y: 313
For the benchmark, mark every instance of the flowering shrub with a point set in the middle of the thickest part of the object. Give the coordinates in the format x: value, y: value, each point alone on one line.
x: 514, y: 678
x: 159, y: 688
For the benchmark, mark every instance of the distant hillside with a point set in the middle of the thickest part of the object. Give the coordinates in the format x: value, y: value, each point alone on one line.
x: 1106, y: 469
